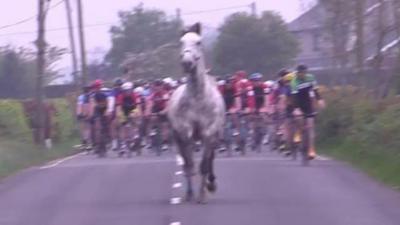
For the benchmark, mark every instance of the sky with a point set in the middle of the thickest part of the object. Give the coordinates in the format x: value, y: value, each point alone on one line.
x: 99, y: 15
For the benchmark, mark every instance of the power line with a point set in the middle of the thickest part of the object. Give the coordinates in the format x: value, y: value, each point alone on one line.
x: 55, y: 29
x: 214, y: 10
x: 29, y: 18
x: 108, y: 23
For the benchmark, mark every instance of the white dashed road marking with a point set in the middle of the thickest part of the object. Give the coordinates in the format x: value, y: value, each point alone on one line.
x: 175, y: 223
x: 177, y: 185
x: 178, y: 173
x: 179, y: 160
x: 175, y: 201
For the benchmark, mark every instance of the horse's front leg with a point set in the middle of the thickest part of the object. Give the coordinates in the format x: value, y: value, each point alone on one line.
x: 206, y: 168
x: 188, y: 165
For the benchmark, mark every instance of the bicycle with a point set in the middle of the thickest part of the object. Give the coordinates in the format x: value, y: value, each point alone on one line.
x: 100, y: 135
x: 299, y: 136
x: 242, y: 133
x: 228, y: 136
x: 258, y: 123
x: 155, y: 133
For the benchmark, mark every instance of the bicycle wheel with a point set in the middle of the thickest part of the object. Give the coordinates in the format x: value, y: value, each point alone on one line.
x: 102, y: 137
x: 305, y: 146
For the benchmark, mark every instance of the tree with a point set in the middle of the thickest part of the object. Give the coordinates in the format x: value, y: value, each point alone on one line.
x: 359, y: 11
x: 338, y: 28
x: 17, y: 71
x: 255, y: 44
x: 140, y: 31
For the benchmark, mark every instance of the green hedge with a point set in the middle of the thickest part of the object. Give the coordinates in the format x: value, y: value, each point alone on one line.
x: 13, y: 122
x: 66, y: 127
x: 364, y: 131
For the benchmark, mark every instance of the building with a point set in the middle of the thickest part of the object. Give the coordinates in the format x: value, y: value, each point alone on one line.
x: 316, y: 45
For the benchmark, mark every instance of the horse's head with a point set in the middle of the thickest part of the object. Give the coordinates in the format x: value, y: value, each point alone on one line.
x: 191, y: 52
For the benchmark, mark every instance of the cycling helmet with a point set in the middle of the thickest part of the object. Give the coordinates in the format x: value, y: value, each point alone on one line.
x: 98, y: 84
x: 118, y: 82
x: 174, y: 84
x: 283, y: 72
x: 302, y: 68
x: 221, y: 82
x: 139, y: 90
x: 127, y: 86
x: 256, y: 76
x: 167, y: 80
x: 158, y: 83
x: 241, y: 74
x: 269, y: 83
x: 183, y: 80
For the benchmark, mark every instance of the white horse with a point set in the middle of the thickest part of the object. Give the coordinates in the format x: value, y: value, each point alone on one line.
x: 197, y: 113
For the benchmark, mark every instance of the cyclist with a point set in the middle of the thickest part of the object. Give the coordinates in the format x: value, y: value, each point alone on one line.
x: 256, y: 94
x: 242, y: 87
x: 116, y: 91
x: 127, y: 102
x: 157, y: 103
x: 303, y: 86
x: 257, y: 104
x: 282, y: 99
x: 101, y: 106
x: 82, y: 112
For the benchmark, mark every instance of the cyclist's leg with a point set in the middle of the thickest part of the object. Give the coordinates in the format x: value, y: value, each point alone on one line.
x: 289, y: 130
x: 308, y: 111
x: 114, y: 132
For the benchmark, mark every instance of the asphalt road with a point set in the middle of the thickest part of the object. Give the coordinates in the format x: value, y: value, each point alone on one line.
x: 253, y: 190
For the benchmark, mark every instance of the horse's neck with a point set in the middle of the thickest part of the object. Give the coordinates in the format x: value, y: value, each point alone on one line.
x: 196, y: 81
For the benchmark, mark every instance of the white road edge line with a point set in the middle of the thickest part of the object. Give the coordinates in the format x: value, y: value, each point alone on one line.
x: 175, y: 201
x: 58, y: 162
x: 175, y: 223
x: 323, y: 158
x: 177, y: 185
x: 179, y: 160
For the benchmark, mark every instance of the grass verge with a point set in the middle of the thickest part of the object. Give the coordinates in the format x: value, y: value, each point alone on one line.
x: 17, y: 155
x: 378, y: 163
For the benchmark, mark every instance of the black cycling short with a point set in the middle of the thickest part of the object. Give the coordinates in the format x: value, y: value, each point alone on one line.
x: 305, y: 107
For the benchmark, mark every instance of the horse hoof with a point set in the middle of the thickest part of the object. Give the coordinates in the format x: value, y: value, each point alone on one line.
x: 212, y: 187
x: 202, y: 201
x: 189, y: 197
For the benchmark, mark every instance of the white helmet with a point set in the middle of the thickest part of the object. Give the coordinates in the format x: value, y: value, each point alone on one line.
x: 127, y: 86
x: 269, y: 83
x: 139, y: 90
x: 168, y: 80
x: 184, y: 80
x: 221, y: 82
x: 174, y: 84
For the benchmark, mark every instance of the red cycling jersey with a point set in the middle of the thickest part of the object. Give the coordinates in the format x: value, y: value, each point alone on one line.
x: 159, y: 100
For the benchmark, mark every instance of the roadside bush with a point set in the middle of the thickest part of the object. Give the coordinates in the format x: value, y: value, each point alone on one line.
x: 13, y: 123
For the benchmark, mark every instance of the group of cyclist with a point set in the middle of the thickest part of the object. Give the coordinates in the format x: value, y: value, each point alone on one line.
x: 293, y: 94
x: 278, y: 102
x: 124, y: 105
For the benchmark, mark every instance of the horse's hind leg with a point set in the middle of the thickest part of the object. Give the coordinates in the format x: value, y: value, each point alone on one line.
x: 212, y: 186
x: 188, y: 166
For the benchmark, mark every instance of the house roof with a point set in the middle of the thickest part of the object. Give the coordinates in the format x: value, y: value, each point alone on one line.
x: 309, y: 20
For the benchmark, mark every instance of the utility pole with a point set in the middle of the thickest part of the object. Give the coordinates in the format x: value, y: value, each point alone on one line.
x: 253, y: 8
x: 82, y: 43
x: 72, y: 42
x: 41, y: 61
x: 178, y: 14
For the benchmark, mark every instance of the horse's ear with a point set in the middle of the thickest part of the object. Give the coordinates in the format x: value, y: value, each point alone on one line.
x: 184, y: 31
x: 196, y: 28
